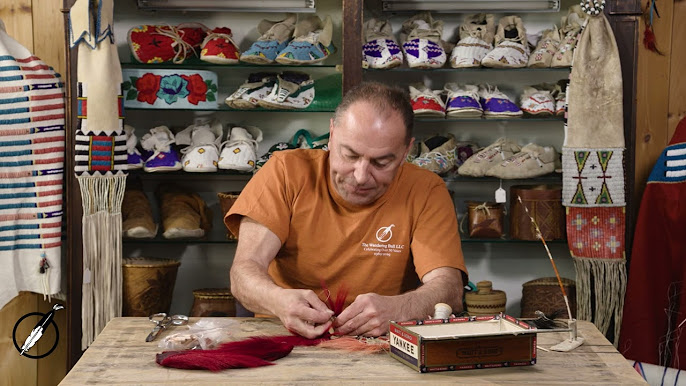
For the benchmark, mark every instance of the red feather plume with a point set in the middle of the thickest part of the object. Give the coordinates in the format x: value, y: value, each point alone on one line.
x: 337, y: 305
x: 650, y: 41
x: 252, y: 352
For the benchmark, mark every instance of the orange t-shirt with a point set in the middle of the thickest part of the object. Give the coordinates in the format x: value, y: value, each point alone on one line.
x: 383, y: 248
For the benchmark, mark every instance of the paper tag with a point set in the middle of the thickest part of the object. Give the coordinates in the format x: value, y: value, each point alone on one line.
x: 500, y: 195
x: 86, y: 276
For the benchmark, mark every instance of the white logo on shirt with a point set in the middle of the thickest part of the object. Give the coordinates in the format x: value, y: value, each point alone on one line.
x: 384, y: 234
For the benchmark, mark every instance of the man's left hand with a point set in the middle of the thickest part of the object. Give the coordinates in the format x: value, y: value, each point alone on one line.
x: 368, y: 315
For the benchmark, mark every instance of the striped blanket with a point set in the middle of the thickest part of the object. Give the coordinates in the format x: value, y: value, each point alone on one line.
x: 32, y: 148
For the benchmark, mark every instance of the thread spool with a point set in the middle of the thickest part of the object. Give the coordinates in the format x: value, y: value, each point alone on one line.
x: 442, y: 311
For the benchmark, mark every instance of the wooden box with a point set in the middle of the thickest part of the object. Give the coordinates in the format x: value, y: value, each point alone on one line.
x: 474, y: 342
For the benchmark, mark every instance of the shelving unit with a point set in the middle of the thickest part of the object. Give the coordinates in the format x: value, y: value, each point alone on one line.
x: 347, y: 60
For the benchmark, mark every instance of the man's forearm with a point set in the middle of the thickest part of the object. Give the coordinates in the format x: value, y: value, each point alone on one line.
x: 445, y: 287
x: 253, y: 287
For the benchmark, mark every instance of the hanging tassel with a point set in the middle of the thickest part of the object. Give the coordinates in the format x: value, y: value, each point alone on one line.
x: 45, y: 277
x: 650, y: 41
x: 649, y: 38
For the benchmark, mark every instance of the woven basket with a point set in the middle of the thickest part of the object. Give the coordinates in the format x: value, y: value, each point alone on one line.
x: 544, y: 295
x: 486, y: 300
x: 226, y: 201
x: 148, y: 285
x: 213, y: 302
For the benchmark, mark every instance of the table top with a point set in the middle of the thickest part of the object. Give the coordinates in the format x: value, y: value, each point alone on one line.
x: 120, y: 355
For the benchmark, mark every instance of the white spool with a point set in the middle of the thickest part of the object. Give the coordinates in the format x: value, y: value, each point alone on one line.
x: 442, y: 311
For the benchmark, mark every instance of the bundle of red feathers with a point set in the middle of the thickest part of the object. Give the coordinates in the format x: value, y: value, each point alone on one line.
x: 262, y: 351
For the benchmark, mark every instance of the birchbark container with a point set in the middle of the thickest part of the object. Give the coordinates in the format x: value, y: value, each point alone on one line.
x: 147, y: 285
x: 544, y: 295
x: 544, y: 203
x: 213, y: 302
x: 486, y: 300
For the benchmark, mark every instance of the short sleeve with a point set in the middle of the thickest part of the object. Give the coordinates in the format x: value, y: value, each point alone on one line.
x: 435, y: 240
x: 265, y: 200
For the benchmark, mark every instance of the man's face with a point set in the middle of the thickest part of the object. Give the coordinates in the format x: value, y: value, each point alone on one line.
x: 367, y: 147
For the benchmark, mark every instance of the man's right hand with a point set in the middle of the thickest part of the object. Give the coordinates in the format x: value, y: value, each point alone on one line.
x: 302, y: 312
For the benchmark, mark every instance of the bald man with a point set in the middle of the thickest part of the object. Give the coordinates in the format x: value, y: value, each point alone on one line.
x: 358, y: 218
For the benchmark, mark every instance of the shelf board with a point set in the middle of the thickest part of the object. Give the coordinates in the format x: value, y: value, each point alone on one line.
x: 223, y: 107
x: 195, y: 63
x: 231, y: 175
x: 553, y: 177
x: 469, y: 240
x: 227, y: 175
x: 520, y: 119
x: 474, y: 69
x: 212, y: 238
x: 221, y: 239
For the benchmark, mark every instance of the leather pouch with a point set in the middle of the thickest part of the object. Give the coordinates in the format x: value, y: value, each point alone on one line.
x: 486, y: 219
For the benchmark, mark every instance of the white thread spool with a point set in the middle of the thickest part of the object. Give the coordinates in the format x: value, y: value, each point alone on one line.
x: 442, y: 311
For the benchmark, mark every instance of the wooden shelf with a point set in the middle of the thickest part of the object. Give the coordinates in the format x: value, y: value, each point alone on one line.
x: 404, y: 68
x: 520, y: 119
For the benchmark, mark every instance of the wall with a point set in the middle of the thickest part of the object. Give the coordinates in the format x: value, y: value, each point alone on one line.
x: 38, y: 26
x: 661, y: 89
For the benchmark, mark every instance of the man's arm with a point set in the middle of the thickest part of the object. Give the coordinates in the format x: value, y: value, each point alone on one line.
x: 301, y: 311
x: 369, y: 314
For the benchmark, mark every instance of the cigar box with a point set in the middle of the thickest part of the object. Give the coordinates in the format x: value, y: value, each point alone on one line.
x: 475, y: 342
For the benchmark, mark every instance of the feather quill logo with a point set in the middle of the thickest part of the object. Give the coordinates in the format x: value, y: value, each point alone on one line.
x: 37, y: 332
x: 384, y: 234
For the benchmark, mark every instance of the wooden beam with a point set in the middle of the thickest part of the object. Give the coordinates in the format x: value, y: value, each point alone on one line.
x: 72, y: 198
x: 352, y: 43
x: 16, y: 14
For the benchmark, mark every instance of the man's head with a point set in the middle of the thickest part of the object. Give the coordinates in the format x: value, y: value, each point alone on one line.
x: 371, y: 134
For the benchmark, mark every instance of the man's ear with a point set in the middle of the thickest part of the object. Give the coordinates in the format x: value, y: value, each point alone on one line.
x: 331, y: 129
x: 409, y: 147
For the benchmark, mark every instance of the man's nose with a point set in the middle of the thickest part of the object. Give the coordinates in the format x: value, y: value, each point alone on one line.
x: 361, y: 172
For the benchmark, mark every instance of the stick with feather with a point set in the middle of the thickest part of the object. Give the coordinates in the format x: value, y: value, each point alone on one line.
x: 550, y: 256
x: 574, y: 341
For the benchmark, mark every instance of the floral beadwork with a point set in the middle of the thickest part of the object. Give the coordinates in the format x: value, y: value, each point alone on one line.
x: 159, y: 89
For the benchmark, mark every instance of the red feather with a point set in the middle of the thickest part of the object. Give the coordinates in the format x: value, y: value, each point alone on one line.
x: 252, y: 352
x: 210, y: 360
x: 335, y: 306
x: 649, y: 40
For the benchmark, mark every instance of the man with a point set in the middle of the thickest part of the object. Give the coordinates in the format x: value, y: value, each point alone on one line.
x: 357, y: 217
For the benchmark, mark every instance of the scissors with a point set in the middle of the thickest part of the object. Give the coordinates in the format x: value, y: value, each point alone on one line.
x: 162, y: 321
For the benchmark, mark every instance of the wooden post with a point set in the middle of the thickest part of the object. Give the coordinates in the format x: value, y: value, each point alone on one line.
x: 352, y: 43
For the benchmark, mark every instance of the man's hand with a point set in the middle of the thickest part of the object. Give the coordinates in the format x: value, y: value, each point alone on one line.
x: 303, y: 313
x: 368, y: 315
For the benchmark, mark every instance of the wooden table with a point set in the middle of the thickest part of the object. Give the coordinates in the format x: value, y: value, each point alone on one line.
x: 120, y: 355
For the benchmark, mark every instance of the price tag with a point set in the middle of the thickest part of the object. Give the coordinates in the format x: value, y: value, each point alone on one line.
x: 86, y: 276
x: 500, y: 196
